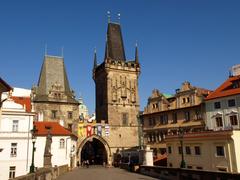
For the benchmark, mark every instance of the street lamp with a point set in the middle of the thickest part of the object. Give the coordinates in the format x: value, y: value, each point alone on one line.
x: 180, y: 135
x: 33, y: 131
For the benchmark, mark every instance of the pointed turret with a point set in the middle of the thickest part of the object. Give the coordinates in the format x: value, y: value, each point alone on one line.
x: 136, y: 54
x: 52, y: 81
x: 106, y: 51
x: 114, y: 45
x: 95, y: 59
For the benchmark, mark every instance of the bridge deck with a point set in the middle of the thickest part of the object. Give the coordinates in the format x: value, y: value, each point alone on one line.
x: 101, y: 173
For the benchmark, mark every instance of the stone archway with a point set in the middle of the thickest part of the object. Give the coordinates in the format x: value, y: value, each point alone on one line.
x: 95, y: 149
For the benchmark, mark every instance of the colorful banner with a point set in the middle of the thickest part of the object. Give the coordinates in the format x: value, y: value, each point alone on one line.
x: 99, y: 130
x: 89, y: 130
x: 107, y: 130
x: 80, y: 130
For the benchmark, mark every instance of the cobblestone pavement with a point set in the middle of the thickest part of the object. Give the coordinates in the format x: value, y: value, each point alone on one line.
x: 101, y: 173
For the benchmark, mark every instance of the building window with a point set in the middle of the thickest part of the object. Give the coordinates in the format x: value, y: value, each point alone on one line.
x: 125, y: 119
x: 62, y: 143
x: 198, y: 115
x: 188, y: 150
x: 169, y: 149
x: 179, y: 150
x: 197, y: 150
x: 150, y: 122
x: 219, y: 122
x: 70, y: 115
x: 164, y: 119
x: 231, y: 102
x: 187, y: 116
x: 220, y: 150
x: 174, y: 117
x: 154, y: 121
x: 54, y: 114
x: 12, y: 172
x: 217, y: 105
x: 183, y: 100
x: 233, y: 120
x: 15, y: 126
x: 13, y: 150
x: 188, y: 99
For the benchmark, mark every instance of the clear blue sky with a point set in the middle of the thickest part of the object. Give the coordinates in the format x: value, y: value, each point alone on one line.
x: 194, y: 40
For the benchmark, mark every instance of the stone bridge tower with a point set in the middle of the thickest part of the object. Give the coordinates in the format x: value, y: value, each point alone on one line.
x: 117, y: 99
x: 116, y: 79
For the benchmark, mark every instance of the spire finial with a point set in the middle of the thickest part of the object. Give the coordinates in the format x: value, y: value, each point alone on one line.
x: 119, y: 17
x: 45, y: 53
x: 136, y: 53
x: 95, y: 58
x: 109, y: 16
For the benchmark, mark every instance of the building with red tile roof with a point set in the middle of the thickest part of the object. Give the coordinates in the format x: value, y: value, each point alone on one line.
x: 222, y: 106
x: 24, y: 101
x: 55, y: 129
x: 229, y: 88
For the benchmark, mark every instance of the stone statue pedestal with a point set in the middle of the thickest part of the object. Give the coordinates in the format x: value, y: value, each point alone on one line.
x: 47, y: 163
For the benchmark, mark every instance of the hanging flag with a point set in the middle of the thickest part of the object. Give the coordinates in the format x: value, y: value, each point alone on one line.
x: 99, y: 130
x: 89, y: 130
x: 107, y: 130
x: 80, y: 130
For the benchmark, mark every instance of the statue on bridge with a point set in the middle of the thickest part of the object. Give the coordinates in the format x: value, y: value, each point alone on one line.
x: 47, y: 152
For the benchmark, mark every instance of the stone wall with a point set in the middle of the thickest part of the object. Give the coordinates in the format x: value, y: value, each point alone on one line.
x: 45, y: 173
x: 182, y: 174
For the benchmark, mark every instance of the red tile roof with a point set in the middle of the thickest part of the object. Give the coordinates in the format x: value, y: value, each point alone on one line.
x: 226, y: 89
x: 56, y: 129
x: 25, y: 101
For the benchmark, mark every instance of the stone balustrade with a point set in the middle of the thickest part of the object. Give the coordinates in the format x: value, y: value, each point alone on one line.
x: 182, y: 174
x: 45, y: 173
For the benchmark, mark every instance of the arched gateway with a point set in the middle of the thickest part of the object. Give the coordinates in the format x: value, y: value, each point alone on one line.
x: 95, y: 149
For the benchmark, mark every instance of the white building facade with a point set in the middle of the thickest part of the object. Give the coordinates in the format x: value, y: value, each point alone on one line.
x: 63, y: 146
x: 15, y: 140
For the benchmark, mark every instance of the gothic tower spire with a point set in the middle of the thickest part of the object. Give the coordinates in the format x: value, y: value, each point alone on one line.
x: 136, y: 54
x: 114, y: 45
x: 95, y: 59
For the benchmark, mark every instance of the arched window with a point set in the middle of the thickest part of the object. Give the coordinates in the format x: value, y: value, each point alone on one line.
x: 62, y: 143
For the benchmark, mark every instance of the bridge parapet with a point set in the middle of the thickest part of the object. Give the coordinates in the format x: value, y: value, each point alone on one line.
x: 181, y: 174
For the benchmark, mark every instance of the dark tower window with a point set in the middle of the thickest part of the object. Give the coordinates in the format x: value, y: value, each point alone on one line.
x: 54, y: 114
x: 70, y: 115
x: 125, y: 119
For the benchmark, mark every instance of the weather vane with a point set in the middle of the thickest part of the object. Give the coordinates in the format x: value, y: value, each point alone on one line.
x: 119, y: 16
x: 109, y: 16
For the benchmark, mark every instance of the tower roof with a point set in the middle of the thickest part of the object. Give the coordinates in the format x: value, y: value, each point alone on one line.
x: 53, y: 77
x: 114, y: 45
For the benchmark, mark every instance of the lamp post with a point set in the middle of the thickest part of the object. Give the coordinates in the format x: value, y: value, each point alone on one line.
x: 33, y: 131
x: 180, y: 135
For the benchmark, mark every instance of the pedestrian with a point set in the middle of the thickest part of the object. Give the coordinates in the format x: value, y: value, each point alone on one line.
x: 87, y: 164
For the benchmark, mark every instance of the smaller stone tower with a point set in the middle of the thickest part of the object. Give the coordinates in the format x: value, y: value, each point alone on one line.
x: 53, y: 99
